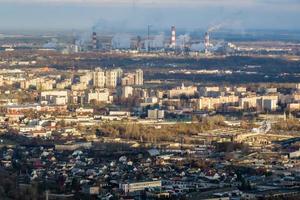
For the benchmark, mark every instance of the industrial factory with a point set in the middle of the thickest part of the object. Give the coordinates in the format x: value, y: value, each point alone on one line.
x: 154, y: 41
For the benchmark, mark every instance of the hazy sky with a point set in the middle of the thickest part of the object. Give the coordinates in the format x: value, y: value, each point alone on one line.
x: 136, y: 14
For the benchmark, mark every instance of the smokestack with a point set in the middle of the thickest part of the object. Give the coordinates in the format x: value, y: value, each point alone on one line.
x: 139, y: 43
x: 94, y: 41
x: 173, y: 37
x: 206, y: 41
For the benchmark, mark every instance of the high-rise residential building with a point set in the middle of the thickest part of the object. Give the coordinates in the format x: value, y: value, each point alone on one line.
x: 139, y: 77
x: 99, y: 78
x: 119, y: 75
x: 111, y: 78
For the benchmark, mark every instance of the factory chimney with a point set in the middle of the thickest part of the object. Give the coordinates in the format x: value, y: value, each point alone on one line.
x: 94, y: 41
x: 139, y: 43
x: 206, y: 41
x: 173, y: 37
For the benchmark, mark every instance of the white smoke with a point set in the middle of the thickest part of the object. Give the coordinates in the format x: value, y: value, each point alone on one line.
x: 216, y: 27
x: 158, y: 41
x: 197, y: 47
x: 51, y: 44
x: 218, y: 45
x: 121, y: 41
x: 228, y: 24
x: 183, y: 40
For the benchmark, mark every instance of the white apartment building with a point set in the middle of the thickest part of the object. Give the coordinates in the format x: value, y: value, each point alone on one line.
x: 99, y: 78
x: 183, y: 90
x: 86, y: 78
x: 100, y: 96
x: 57, y: 97
x: 139, y: 186
x: 127, y: 91
x: 111, y: 78
x: 139, y: 77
